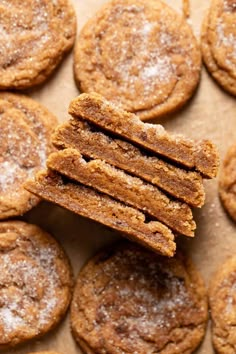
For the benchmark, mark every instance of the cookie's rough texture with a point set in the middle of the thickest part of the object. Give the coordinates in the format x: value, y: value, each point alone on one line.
x: 227, y: 182
x: 34, y: 37
x: 124, y: 187
x: 223, y: 308
x: 140, y: 54
x: 97, y: 144
x: 35, y: 283
x: 202, y: 155
x: 101, y: 208
x: 95, y: 188
x: 25, y: 130
x: 219, y: 43
x: 138, y: 303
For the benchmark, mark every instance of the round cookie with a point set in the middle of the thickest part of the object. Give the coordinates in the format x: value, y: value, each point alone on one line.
x: 139, y: 54
x: 227, y: 182
x: 219, y: 43
x: 34, y: 37
x: 130, y: 300
x: 25, y: 130
x: 222, y: 295
x: 35, y: 283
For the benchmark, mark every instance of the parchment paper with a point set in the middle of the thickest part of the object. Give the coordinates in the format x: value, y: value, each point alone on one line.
x: 210, y: 114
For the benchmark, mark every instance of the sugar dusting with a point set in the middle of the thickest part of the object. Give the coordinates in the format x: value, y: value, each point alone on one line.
x: 155, y: 65
x: 227, y: 40
x: 29, y: 289
x: 30, y: 28
x: 10, y: 320
x: 231, y: 300
x: 144, y: 55
x: 161, y: 70
x: 22, y: 157
x: 226, y: 36
x: 8, y: 171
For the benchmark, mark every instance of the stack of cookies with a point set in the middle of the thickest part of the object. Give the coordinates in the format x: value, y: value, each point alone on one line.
x: 131, y: 176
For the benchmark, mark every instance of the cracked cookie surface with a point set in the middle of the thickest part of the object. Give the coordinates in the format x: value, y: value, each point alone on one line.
x: 141, y: 55
x: 138, y: 303
x: 25, y: 129
x: 35, y: 283
x: 219, y: 43
x: 34, y: 37
x: 222, y: 296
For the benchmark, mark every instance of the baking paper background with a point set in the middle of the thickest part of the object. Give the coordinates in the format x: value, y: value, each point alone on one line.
x: 210, y: 114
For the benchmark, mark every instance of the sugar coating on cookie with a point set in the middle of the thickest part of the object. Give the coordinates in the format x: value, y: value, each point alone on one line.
x: 219, y: 43
x: 35, y: 283
x: 34, y: 37
x: 227, y: 182
x: 25, y: 130
x: 222, y: 296
x: 139, y: 54
x: 129, y: 300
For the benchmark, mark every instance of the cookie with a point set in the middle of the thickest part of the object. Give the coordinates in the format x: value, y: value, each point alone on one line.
x: 95, y: 188
x: 201, y: 155
x: 94, y: 143
x: 25, y: 130
x: 219, y: 43
x: 125, y: 188
x: 99, y: 207
x: 139, y: 303
x: 34, y: 37
x: 227, y: 182
x: 35, y: 283
x: 139, y: 54
x: 222, y: 295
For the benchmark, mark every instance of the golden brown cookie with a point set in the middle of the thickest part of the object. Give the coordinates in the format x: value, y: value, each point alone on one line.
x: 227, y: 182
x: 202, y: 155
x: 25, y: 130
x: 96, y: 178
x: 35, y: 283
x: 129, y: 300
x: 219, y: 43
x: 99, y: 207
x: 97, y: 144
x: 125, y: 188
x: 223, y: 307
x: 139, y: 54
x: 34, y: 37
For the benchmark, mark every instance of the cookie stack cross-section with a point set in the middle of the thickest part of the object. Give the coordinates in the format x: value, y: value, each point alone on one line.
x: 131, y: 176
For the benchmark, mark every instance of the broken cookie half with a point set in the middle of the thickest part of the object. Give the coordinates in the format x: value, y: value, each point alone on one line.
x: 131, y: 176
